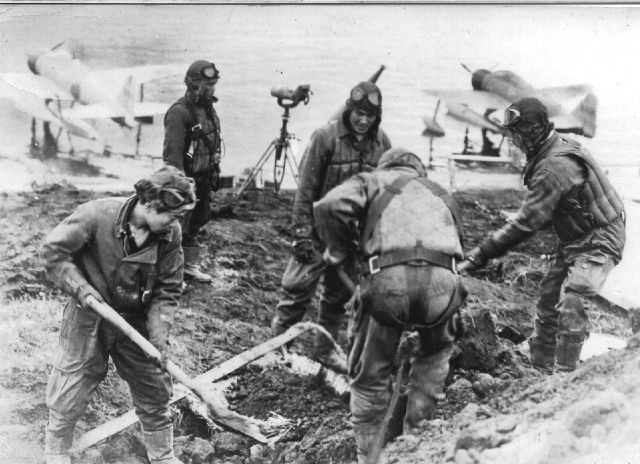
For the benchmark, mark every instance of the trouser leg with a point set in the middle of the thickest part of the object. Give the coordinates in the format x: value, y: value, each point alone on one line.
x: 198, y: 217
x: 335, y: 296
x: 543, y: 341
x: 80, y: 366
x: 151, y: 389
x: 585, y: 278
x: 429, y: 369
x: 371, y: 364
x: 192, y: 222
x: 299, y: 283
x: 426, y: 386
x: 150, y: 386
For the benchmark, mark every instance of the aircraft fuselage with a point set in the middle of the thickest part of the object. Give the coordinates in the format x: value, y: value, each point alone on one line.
x: 511, y: 87
x: 74, y: 77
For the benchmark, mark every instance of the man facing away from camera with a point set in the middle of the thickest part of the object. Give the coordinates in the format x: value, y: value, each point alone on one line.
x: 568, y: 190
x: 406, y: 232
x: 349, y: 145
x: 125, y: 252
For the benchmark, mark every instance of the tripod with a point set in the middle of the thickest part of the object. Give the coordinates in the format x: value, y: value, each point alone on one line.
x: 281, y: 146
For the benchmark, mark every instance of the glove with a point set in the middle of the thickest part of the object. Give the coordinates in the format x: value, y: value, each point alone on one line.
x: 303, y: 250
x: 165, y: 354
x: 475, y: 259
x: 215, y: 177
x: 84, y: 292
x: 332, y: 259
x: 459, y: 325
x: 465, y: 266
x: 158, y: 328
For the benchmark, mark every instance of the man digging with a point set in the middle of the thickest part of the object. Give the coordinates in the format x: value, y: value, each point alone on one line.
x: 125, y: 252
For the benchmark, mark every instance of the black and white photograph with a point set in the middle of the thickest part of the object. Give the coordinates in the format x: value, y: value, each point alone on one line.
x: 319, y: 233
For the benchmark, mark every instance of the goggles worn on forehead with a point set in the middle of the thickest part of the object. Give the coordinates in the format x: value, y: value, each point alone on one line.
x: 209, y: 72
x: 357, y: 95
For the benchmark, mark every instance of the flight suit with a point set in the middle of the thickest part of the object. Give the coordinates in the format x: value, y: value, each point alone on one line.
x: 568, y: 190
x: 91, y: 248
x: 192, y: 143
x: 332, y: 156
x: 407, y: 248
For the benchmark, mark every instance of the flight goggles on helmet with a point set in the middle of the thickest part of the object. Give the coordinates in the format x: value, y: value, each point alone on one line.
x: 526, y: 110
x: 358, y: 95
x: 174, y: 199
x: 511, y: 117
x: 209, y: 72
x: 203, y: 70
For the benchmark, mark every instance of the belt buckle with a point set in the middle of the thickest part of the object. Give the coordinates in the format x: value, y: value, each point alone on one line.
x: 374, y: 265
x: 453, y: 265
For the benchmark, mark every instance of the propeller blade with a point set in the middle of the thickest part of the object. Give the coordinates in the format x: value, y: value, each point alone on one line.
x: 466, y: 68
x: 58, y: 45
x: 435, y: 113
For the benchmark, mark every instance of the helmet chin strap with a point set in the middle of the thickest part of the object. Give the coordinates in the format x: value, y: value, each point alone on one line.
x: 532, y: 145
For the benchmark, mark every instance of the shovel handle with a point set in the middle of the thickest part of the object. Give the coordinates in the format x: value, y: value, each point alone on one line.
x: 346, y: 280
x: 109, y: 314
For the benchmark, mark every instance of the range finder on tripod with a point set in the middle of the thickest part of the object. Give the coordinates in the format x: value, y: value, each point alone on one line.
x: 281, y: 145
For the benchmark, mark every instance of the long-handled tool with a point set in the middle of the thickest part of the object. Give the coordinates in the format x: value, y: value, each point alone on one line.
x: 376, y: 449
x: 219, y: 414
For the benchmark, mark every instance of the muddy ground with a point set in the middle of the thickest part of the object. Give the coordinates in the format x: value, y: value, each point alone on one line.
x: 493, y: 398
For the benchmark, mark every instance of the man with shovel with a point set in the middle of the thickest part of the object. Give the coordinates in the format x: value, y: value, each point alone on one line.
x: 124, y: 252
x: 406, y: 233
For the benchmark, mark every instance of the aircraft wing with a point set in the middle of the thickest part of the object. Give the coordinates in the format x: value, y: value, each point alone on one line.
x: 104, y: 111
x: 477, y: 99
x: 26, y: 102
x: 39, y: 86
x: 567, y: 92
x: 149, y: 108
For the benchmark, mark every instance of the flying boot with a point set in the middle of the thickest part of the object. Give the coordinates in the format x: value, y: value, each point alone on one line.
x: 426, y: 387
x: 365, y: 435
x: 160, y: 446
x: 57, y: 447
x: 542, y: 356
x: 191, y: 269
x: 568, y: 352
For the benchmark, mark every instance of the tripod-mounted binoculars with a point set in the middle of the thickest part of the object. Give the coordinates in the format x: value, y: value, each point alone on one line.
x: 284, y: 154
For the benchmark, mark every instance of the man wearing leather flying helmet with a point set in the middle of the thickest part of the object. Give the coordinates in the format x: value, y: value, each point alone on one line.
x: 567, y: 189
x: 192, y: 144
x: 339, y: 149
x: 125, y: 252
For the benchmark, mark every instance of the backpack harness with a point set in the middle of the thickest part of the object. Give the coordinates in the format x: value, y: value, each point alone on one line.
x: 371, y: 265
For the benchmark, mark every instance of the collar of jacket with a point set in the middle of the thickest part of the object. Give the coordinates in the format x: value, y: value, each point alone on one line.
x: 123, y: 216
x: 192, y: 98
x: 544, y: 149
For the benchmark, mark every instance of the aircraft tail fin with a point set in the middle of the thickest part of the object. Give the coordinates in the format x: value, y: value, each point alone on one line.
x: 585, y: 112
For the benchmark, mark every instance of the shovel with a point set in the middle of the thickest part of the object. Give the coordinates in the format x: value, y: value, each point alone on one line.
x: 220, y: 414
